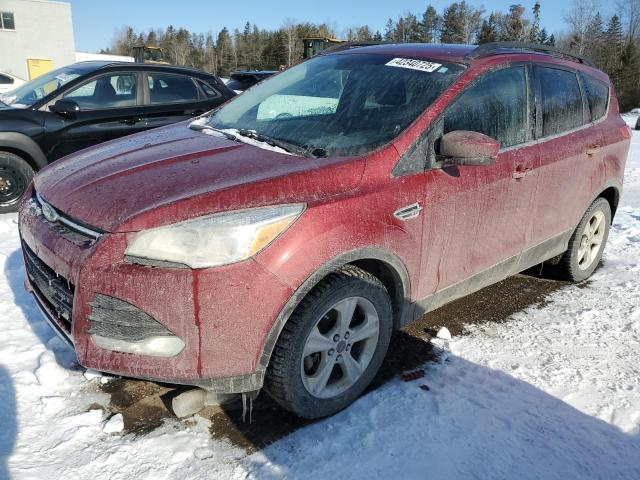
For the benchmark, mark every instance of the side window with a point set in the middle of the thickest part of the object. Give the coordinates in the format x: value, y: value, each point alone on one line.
x: 561, y: 100
x: 170, y: 88
x: 5, y: 80
x: 209, y: 90
x: 597, y: 96
x: 495, y: 105
x: 108, y: 91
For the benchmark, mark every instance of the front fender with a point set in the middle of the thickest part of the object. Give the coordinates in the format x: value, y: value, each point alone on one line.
x: 21, y: 142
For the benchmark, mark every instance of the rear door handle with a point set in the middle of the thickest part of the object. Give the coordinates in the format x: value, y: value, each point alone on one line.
x: 131, y: 121
x: 520, y: 172
x: 593, y: 149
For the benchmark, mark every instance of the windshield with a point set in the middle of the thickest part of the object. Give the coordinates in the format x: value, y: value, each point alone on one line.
x: 29, y: 93
x: 340, y: 105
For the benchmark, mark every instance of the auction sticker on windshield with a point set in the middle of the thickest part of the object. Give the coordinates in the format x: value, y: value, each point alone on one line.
x: 413, y: 64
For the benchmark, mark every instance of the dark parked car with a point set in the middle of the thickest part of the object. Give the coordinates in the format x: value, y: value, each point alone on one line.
x: 255, y: 249
x: 90, y: 102
x: 243, y: 80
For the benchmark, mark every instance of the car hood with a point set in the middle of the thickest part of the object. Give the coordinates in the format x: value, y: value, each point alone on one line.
x: 174, y: 173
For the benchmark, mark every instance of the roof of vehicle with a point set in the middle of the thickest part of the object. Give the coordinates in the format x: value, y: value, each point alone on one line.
x: 459, y: 53
x: 92, y: 65
x: 256, y: 73
x: 441, y: 51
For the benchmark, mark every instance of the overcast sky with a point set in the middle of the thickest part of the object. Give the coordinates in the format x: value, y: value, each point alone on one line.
x: 95, y: 22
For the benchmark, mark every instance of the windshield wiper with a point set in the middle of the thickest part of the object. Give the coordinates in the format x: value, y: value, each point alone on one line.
x: 276, y: 142
x: 198, y: 127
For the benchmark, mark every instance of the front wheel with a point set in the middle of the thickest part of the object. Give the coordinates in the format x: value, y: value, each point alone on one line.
x: 332, y: 346
x: 587, y: 243
x: 15, y: 176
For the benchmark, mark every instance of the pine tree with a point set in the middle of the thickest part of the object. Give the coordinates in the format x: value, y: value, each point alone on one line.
x: 534, y: 30
x: 612, y: 50
x: 389, y: 32
x: 515, y: 25
x: 489, y: 30
x: 430, y: 25
x: 594, y: 45
x: 543, y: 38
x: 453, y: 25
x: 626, y: 80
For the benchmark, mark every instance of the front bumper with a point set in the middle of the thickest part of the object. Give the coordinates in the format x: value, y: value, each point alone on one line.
x: 223, y: 315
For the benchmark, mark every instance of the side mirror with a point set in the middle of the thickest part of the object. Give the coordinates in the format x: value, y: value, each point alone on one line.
x: 462, y: 147
x: 65, y: 108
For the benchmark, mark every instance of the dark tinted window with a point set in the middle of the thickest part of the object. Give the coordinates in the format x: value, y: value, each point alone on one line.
x: 5, y: 80
x: 209, y: 90
x: 7, y: 21
x: 495, y: 105
x: 108, y: 91
x: 561, y: 100
x: 168, y: 88
x: 597, y: 96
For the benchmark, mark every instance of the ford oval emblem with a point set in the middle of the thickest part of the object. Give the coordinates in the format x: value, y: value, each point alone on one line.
x: 49, y: 213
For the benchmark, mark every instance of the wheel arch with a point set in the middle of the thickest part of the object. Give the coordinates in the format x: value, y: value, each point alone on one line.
x: 611, y: 193
x: 382, y: 264
x: 23, y: 146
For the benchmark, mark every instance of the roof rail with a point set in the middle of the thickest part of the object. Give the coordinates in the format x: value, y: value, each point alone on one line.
x: 492, y: 48
x: 347, y: 45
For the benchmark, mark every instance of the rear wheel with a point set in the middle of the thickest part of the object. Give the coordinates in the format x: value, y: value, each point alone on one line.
x: 587, y: 243
x: 15, y: 176
x: 332, y: 346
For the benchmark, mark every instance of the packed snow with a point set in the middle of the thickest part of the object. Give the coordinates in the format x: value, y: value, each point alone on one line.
x: 553, y: 393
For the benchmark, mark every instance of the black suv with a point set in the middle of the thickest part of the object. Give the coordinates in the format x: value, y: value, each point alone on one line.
x: 87, y: 103
x: 242, y: 80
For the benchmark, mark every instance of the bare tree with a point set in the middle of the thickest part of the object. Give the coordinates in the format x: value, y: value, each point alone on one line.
x: 291, y: 37
x: 630, y: 13
x: 578, y: 19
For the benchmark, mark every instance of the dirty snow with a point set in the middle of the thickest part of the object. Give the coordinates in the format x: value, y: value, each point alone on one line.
x: 552, y: 393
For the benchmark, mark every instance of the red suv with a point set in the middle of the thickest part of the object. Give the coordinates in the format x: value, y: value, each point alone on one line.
x: 278, y: 241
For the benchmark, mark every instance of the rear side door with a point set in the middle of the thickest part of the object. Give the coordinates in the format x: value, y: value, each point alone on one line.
x: 172, y: 97
x: 478, y: 218
x: 570, y: 153
x: 109, y: 107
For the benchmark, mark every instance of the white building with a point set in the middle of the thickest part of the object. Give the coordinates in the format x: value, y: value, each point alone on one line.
x: 35, y: 36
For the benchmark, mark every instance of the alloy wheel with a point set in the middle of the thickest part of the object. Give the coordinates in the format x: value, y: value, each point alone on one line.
x: 591, y: 240
x: 339, y: 347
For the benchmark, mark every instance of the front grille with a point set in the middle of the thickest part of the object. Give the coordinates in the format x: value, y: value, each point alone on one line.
x: 76, y: 232
x: 51, y: 287
x: 114, y: 318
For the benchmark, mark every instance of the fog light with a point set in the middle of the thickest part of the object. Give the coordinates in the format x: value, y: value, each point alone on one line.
x: 122, y: 327
x: 154, y: 346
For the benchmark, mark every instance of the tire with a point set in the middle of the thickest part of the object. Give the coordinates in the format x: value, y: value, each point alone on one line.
x: 291, y: 377
x: 573, y: 265
x: 15, y: 176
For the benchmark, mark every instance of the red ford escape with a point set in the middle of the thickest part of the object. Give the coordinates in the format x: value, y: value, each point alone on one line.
x: 276, y: 242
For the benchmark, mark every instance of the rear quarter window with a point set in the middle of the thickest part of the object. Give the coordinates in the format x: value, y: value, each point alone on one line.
x: 597, y: 96
x: 561, y: 100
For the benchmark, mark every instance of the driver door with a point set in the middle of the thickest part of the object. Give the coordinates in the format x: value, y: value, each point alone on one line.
x: 110, y: 106
x: 478, y: 218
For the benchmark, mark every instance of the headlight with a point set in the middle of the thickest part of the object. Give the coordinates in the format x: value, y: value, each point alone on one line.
x: 214, y: 239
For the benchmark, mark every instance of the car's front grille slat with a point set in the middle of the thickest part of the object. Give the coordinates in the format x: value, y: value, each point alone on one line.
x: 51, y: 287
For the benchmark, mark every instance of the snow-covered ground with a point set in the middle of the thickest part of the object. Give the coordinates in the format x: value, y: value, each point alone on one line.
x: 552, y: 393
